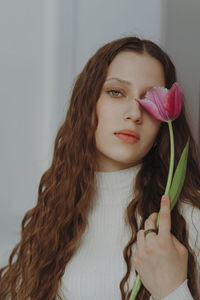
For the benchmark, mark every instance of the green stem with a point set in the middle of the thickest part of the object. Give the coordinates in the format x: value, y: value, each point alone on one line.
x: 136, y: 287
x: 171, y: 165
x: 137, y: 283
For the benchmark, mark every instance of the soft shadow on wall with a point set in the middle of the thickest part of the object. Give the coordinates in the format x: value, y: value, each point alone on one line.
x: 181, y: 27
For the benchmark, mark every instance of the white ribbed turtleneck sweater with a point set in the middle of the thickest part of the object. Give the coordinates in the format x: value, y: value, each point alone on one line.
x: 97, y: 268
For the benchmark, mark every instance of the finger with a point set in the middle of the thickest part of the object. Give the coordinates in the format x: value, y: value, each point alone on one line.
x: 149, y: 224
x: 165, y: 217
x: 151, y: 221
x: 140, y: 241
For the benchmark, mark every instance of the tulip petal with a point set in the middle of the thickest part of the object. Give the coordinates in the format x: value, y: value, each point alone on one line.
x: 178, y: 102
x: 163, y: 104
x: 153, y: 103
x: 152, y: 108
x: 157, y: 96
x: 173, y: 101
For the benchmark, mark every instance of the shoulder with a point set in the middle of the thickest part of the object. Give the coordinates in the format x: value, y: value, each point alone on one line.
x: 191, y: 215
x: 190, y: 211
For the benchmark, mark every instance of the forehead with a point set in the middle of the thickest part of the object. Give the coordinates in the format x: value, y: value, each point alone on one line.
x: 135, y: 67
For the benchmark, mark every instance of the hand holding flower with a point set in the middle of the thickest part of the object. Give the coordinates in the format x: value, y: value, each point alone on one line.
x: 160, y: 259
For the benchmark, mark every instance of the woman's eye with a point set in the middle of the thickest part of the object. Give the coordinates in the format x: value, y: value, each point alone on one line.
x: 115, y: 93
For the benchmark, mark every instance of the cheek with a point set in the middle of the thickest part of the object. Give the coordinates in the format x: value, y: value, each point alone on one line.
x: 106, y: 115
x: 155, y: 127
x: 151, y: 129
x: 105, y: 128
x: 101, y: 127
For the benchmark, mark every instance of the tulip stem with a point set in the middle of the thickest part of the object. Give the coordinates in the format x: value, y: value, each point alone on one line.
x: 137, y: 283
x: 136, y: 287
x: 171, y: 165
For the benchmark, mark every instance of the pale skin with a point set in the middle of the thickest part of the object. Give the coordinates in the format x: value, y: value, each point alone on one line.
x: 129, y: 76
x: 160, y: 259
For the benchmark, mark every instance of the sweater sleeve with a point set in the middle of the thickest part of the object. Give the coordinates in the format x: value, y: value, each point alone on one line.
x: 192, y: 218
x: 181, y: 293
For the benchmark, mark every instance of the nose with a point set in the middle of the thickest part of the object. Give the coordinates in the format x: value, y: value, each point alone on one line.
x: 133, y: 111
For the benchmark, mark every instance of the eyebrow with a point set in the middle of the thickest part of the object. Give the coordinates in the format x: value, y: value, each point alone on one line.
x: 125, y: 82
x: 118, y: 79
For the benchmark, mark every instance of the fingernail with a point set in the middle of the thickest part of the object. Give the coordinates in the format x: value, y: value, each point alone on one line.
x: 164, y: 198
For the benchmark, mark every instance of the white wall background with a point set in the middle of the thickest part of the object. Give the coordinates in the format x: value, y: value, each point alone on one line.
x: 44, y: 45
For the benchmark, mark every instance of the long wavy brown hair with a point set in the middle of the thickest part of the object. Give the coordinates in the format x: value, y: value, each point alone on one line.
x: 52, y: 230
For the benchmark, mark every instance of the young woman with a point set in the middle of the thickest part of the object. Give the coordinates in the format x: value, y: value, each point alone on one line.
x: 85, y: 238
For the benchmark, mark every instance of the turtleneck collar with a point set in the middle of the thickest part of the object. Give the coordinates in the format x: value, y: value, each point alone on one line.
x: 118, y: 179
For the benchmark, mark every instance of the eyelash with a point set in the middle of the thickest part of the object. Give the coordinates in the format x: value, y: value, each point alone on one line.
x: 110, y: 91
x: 115, y: 90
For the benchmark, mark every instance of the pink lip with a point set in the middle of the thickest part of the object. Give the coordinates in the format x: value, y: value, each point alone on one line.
x: 127, y: 135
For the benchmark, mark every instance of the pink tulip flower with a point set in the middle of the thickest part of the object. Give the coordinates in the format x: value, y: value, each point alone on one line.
x: 163, y: 104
